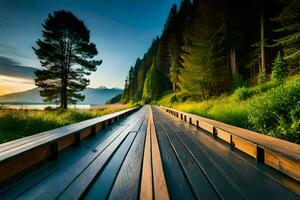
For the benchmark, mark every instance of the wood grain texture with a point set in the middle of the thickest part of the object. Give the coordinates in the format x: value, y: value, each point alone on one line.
x: 178, y: 185
x: 159, y: 180
x: 201, y: 186
x: 146, y: 191
x: 127, y: 182
x: 83, y: 181
x: 102, y: 185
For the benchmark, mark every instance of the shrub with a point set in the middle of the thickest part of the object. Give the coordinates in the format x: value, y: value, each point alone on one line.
x: 241, y: 93
x: 261, y: 78
x: 276, y: 112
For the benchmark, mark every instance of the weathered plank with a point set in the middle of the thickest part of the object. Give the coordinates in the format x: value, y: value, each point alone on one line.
x: 159, y: 181
x: 127, y: 182
x: 146, y: 192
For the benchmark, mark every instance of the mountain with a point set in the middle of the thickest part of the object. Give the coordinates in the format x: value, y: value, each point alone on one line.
x: 92, y: 96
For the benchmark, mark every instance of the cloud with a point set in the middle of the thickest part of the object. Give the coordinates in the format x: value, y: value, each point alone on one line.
x: 9, y: 67
x: 9, y: 50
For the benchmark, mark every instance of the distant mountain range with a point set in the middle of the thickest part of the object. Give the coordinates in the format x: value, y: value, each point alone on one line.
x: 92, y: 96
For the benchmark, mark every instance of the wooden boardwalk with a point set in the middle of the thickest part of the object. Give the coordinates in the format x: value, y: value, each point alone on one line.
x: 152, y: 155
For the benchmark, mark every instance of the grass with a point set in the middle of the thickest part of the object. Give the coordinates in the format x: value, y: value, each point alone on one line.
x: 271, y: 109
x: 16, y: 124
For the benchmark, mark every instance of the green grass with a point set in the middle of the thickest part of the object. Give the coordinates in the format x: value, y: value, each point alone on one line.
x: 270, y: 108
x: 16, y: 124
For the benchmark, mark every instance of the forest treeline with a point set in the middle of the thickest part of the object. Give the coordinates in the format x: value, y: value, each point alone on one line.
x: 208, y: 47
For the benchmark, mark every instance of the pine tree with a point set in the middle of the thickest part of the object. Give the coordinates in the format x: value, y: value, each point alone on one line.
x: 65, y: 53
x: 290, y: 22
x: 204, y: 72
x: 176, y: 43
x: 278, y: 69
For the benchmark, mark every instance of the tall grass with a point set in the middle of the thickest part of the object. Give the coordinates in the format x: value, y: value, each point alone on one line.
x: 16, y: 124
x: 269, y: 108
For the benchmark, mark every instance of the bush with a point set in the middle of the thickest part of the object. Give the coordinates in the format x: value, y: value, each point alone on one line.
x: 261, y: 78
x: 241, y: 93
x: 276, y: 113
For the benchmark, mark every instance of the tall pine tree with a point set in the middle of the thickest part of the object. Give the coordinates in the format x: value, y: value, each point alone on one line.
x: 65, y: 53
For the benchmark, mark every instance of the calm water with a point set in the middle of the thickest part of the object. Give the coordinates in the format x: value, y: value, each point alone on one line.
x: 42, y: 106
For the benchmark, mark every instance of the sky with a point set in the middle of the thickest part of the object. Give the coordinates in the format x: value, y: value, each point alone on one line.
x: 121, y: 29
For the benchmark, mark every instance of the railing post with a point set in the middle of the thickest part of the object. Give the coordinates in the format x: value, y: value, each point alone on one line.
x: 93, y: 130
x: 185, y: 118
x: 260, y: 154
x: 54, y: 151
x: 190, y: 120
x: 77, y: 139
x: 231, y: 143
x: 197, y: 123
x: 214, y: 133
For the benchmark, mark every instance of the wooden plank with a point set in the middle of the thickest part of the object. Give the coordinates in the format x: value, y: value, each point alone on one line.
x: 200, y: 184
x: 16, y: 166
x: 103, y: 184
x: 146, y: 191
x: 225, y: 187
x: 21, y: 186
x: 72, y: 160
x: 85, y: 133
x: 83, y: 181
x: 65, y: 143
x: 244, y: 146
x: 178, y: 185
x: 159, y: 180
x: 223, y: 135
x: 127, y: 182
x: 104, y: 149
x: 282, y: 164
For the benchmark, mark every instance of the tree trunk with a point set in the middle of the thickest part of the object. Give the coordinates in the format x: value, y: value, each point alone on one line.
x: 232, y: 61
x: 262, y: 45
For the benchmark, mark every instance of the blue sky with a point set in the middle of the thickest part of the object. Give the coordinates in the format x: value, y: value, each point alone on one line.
x: 121, y: 29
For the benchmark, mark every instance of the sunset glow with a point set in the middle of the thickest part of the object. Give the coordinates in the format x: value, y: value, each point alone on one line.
x: 14, y: 84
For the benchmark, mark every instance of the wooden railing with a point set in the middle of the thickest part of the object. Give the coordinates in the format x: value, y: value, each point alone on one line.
x: 279, y: 154
x: 19, y: 156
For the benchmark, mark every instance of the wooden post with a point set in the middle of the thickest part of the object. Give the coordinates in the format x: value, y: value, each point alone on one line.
x: 77, y: 139
x: 181, y: 116
x: 185, y: 118
x: 93, y: 130
x: 197, y: 123
x: 190, y: 120
x: 231, y: 143
x: 214, y: 133
x: 260, y: 154
x: 54, y: 151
